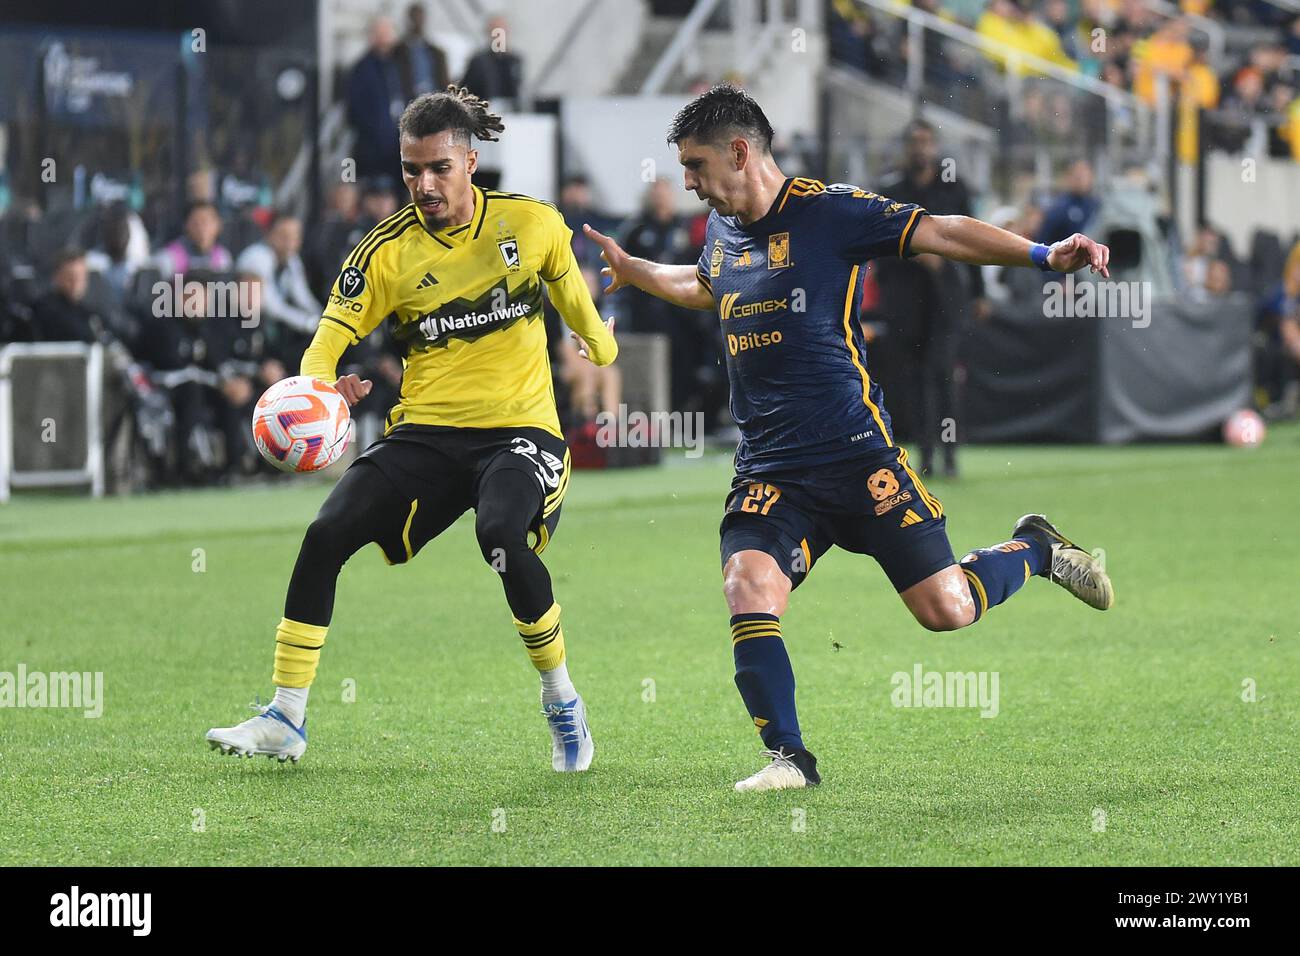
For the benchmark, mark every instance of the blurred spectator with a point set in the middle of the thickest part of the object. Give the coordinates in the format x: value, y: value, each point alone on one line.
x: 1245, y: 99
x: 1014, y: 24
x: 63, y: 314
x: 1277, y: 343
x: 851, y: 32
x: 1167, y: 53
x: 1058, y: 17
x: 1074, y: 208
x: 1282, y: 104
x: 197, y: 246
x: 1201, y: 83
x: 1210, y: 268
x: 661, y: 235
x: 210, y: 366
x: 288, y: 308
x: 378, y: 202
x: 335, y: 237
x: 1269, y: 59
x: 375, y: 102
x: 423, y: 65
x: 117, y: 257
x: 66, y: 314
x: 925, y: 299
x: 590, y: 389
x: 495, y: 73
x: 577, y: 207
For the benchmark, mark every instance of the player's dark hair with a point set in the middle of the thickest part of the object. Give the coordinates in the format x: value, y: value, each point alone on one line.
x: 719, y: 114
x: 457, y: 110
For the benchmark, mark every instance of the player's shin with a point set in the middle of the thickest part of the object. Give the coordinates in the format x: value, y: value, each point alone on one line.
x: 996, y: 573
x: 765, y: 679
x: 544, y: 641
x: 297, y: 653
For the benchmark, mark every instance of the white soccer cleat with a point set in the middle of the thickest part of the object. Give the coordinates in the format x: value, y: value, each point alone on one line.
x: 269, y: 733
x: 571, y: 744
x: 780, y: 774
x: 1073, y: 568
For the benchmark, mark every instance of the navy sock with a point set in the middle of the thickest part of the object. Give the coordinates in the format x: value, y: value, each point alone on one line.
x: 765, y: 679
x: 996, y: 573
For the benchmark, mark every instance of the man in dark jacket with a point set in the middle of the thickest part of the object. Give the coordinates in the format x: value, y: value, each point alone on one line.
x: 374, y: 103
x: 923, y: 300
x: 423, y: 66
x: 495, y: 73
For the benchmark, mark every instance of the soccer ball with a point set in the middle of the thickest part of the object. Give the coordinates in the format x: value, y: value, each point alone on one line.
x: 1244, y: 429
x: 301, y: 424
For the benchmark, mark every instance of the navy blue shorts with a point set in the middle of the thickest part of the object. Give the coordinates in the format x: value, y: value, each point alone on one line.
x: 875, y: 505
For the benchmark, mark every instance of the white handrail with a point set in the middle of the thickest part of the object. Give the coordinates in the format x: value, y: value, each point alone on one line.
x: 681, y: 42
x: 1014, y: 58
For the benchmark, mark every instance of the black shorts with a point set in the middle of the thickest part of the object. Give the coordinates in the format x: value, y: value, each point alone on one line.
x: 440, y: 470
x: 875, y: 505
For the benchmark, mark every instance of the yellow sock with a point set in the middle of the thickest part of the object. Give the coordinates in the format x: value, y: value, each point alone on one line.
x: 543, y: 639
x: 297, y: 652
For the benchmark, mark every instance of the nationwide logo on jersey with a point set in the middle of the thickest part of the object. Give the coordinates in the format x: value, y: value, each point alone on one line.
x: 715, y: 259
x: 495, y: 309
x: 510, y: 253
x: 778, y: 250
x: 351, y: 283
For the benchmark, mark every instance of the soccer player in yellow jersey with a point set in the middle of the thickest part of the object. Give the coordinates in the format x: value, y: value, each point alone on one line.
x: 460, y: 271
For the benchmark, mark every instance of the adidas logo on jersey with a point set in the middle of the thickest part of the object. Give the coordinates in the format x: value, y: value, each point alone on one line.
x: 428, y: 281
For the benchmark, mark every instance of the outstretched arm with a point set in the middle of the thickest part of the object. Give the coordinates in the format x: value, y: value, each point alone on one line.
x: 321, y: 360
x: 964, y: 239
x: 675, y: 284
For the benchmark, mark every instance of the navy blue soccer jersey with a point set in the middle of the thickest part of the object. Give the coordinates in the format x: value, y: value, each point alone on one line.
x: 787, y: 288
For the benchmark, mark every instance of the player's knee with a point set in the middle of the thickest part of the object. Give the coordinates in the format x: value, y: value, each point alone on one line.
x: 497, y: 534
x: 752, y: 586
x: 325, y: 538
x: 945, y: 616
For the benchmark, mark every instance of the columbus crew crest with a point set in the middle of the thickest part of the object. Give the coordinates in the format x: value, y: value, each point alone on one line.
x: 510, y: 253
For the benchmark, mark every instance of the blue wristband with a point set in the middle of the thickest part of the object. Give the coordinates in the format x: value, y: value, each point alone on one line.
x: 1038, y: 256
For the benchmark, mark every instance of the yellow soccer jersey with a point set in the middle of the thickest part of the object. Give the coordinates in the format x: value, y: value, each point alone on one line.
x: 466, y: 305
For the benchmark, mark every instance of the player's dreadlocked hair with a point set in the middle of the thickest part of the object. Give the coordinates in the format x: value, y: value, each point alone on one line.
x: 457, y: 110
x: 720, y: 113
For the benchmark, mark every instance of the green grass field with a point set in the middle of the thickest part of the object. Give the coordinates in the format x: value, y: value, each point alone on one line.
x: 1137, y: 713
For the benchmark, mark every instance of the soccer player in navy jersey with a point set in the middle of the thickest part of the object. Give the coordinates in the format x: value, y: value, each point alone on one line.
x: 816, y: 465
